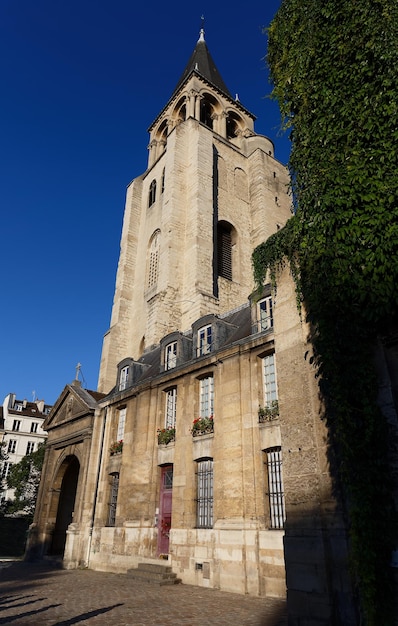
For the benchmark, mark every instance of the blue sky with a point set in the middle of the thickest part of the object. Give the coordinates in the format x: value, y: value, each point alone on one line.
x: 81, y: 81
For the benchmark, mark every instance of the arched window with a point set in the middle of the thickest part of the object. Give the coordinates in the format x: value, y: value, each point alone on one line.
x: 153, y: 260
x: 224, y: 250
x: 206, y: 113
x: 152, y: 193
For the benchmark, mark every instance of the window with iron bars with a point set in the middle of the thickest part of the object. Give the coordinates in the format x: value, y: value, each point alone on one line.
x: 204, y: 501
x: 273, y: 461
x: 113, y: 499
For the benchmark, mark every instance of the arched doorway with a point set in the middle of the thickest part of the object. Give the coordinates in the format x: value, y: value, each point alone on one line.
x: 66, y: 504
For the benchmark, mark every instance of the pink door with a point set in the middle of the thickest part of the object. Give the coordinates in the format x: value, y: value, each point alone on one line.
x: 165, y: 504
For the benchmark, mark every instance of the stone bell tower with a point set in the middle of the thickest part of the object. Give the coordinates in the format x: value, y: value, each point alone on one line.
x: 211, y: 193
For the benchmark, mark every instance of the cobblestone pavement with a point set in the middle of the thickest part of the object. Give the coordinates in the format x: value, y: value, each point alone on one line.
x: 37, y: 594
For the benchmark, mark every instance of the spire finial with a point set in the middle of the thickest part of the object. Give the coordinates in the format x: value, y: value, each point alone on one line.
x: 202, y: 29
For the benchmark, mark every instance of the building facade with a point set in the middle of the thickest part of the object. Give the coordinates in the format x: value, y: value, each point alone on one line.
x: 21, y: 432
x: 202, y: 445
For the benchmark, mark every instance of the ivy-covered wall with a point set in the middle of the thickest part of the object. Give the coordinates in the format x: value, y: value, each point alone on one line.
x: 334, y: 66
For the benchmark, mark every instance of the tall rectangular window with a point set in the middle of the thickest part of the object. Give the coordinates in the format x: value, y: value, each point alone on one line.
x: 124, y: 377
x: 206, y: 398
x: 171, y: 408
x: 204, y: 340
x: 113, y: 499
x: 12, y: 446
x: 269, y: 378
x: 275, y: 487
x: 34, y: 427
x: 265, y: 314
x: 5, y: 470
x: 121, y: 424
x: 30, y: 447
x: 170, y: 356
x: 204, y: 510
x: 16, y: 425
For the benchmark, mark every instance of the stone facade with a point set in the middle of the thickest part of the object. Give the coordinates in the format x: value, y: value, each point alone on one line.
x: 204, y: 434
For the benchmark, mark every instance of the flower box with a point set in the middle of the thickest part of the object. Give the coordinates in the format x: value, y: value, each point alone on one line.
x: 166, y: 435
x: 268, y: 413
x: 202, y: 426
x: 116, y: 447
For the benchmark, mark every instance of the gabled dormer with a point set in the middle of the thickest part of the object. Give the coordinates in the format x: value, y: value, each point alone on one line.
x: 201, y: 94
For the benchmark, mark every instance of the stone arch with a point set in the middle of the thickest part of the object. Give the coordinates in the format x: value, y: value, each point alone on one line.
x: 63, y: 496
x: 235, y: 124
x: 209, y: 109
x: 180, y: 112
x: 153, y: 260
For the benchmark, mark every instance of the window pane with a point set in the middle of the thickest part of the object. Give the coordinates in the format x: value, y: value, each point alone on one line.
x: 270, y: 389
x: 121, y: 423
x: 206, y: 396
x: 204, y: 340
x: 171, y: 408
x: 265, y: 314
x: 171, y: 355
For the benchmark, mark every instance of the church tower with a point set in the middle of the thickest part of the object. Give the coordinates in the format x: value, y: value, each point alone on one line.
x: 211, y: 193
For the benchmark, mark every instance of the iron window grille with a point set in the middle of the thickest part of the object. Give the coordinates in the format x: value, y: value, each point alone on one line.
x: 204, y: 502
x: 275, y: 488
x: 113, y: 499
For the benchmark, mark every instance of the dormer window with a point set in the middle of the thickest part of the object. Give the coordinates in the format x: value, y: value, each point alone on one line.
x: 265, y: 314
x: 204, y: 340
x: 18, y: 407
x: 170, y: 356
x: 152, y: 193
x: 124, y: 377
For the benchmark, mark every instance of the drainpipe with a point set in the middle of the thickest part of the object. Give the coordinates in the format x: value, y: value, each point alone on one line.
x: 90, y: 535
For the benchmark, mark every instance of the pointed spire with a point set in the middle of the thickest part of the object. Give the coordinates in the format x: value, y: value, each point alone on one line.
x: 202, y: 62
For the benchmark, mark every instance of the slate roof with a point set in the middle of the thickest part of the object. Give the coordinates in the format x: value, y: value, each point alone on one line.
x: 241, y: 329
x: 201, y: 62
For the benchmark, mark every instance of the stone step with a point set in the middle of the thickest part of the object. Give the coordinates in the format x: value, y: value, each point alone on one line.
x: 154, y: 573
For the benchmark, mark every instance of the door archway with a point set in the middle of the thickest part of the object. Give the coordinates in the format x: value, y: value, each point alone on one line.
x: 66, y: 504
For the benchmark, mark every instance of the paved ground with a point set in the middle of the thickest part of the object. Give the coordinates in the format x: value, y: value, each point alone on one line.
x: 39, y: 595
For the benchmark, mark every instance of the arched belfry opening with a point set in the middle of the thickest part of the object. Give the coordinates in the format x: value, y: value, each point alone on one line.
x: 64, y: 497
x: 208, y: 110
